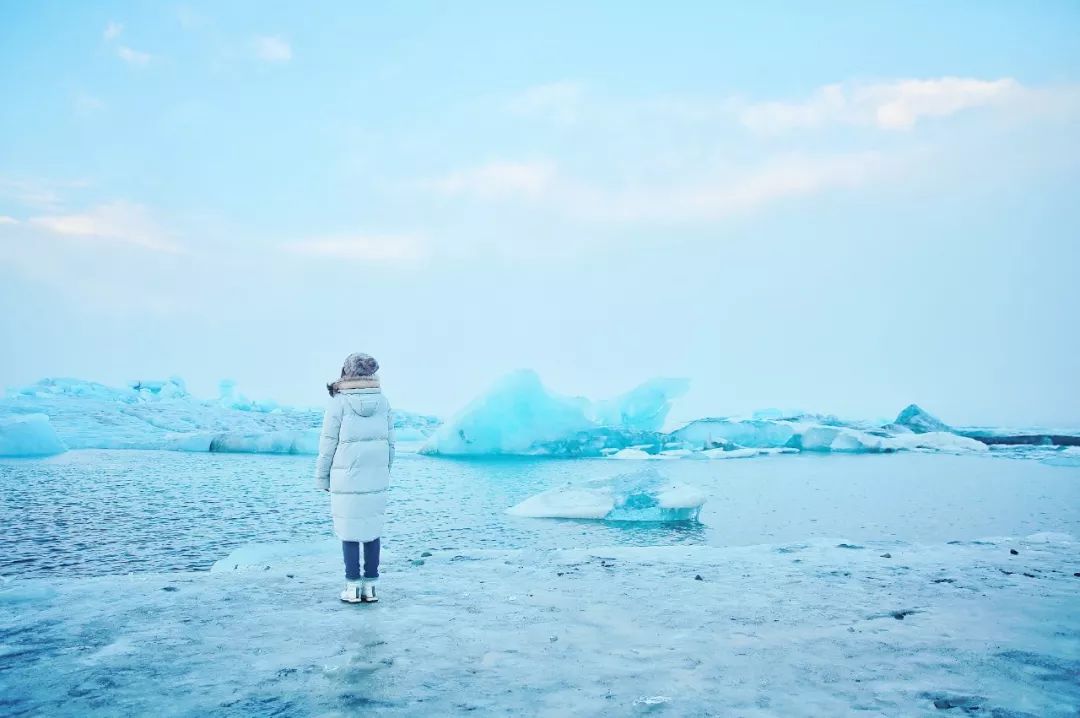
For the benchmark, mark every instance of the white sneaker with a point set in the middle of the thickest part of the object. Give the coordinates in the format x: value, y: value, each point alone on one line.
x: 352, y: 593
x: 367, y: 594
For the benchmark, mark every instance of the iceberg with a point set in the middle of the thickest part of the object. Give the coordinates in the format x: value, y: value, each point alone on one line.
x: 29, y: 435
x: 520, y: 416
x: 638, y: 496
x: 161, y: 414
x: 737, y: 433
x: 840, y: 439
x: 914, y: 417
x: 938, y: 441
x: 644, y: 408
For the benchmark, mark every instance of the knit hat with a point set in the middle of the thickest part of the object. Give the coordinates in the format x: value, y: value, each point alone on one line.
x: 359, y: 366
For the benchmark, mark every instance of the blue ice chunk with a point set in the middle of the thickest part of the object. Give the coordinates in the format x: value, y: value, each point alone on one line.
x: 644, y: 408
x: 914, y: 417
x: 519, y: 416
x: 734, y: 433
x: 161, y: 414
x: 29, y: 435
x: 637, y: 496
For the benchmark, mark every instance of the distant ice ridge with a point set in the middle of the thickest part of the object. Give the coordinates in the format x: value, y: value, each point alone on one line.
x: 731, y: 435
x: 637, y: 496
x: 29, y: 435
x: 161, y: 414
x: 520, y: 416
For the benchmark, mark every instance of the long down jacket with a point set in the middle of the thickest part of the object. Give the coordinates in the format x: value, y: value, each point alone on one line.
x: 356, y: 451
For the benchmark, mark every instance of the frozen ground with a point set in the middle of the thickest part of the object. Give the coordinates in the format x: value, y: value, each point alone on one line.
x: 810, y: 629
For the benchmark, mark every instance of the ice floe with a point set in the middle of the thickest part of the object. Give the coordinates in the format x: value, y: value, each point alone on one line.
x: 644, y: 495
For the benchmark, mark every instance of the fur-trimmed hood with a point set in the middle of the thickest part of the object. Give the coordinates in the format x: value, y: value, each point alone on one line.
x: 365, y: 382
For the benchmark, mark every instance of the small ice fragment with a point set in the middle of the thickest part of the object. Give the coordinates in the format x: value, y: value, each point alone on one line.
x: 638, y: 496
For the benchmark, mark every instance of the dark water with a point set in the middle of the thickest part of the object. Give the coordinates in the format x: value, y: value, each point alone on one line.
x: 109, y: 512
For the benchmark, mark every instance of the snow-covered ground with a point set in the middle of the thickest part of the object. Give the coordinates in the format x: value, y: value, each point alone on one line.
x: 812, y: 629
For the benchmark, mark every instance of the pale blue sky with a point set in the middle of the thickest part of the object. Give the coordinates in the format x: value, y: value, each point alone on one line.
x: 842, y: 208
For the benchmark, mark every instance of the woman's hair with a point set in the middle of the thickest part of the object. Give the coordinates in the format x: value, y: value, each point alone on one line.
x: 356, y: 366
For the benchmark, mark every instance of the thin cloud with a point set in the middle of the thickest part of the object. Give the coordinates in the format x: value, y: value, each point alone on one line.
x: 502, y: 179
x: 558, y: 101
x: 722, y: 195
x: 115, y: 223
x: 269, y: 48
x: 897, y: 105
x: 133, y: 57
x: 45, y: 196
x: 713, y: 194
x: 112, y: 31
x: 366, y: 248
x: 87, y: 104
x: 4, y: 219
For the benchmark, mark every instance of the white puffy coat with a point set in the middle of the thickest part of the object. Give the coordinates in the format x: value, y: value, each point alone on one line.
x: 356, y: 451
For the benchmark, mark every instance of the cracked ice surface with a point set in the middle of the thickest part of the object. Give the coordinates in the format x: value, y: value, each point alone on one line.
x: 823, y: 628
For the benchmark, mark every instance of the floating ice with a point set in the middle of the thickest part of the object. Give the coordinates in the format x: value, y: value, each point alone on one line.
x: 751, y: 433
x: 639, y: 496
x: 739, y: 453
x: 519, y: 416
x: 735, y: 438
x: 938, y: 441
x: 152, y: 414
x: 644, y: 408
x: 29, y: 435
x: 918, y: 420
x: 841, y: 439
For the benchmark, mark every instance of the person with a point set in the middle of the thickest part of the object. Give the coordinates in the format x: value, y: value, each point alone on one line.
x: 356, y: 453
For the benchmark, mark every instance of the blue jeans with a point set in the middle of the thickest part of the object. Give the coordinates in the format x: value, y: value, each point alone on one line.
x: 351, y: 551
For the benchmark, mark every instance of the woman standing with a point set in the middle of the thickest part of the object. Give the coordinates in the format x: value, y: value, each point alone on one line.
x: 356, y: 451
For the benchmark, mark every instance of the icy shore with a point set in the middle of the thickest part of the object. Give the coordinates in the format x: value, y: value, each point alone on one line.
x: 828, y: 628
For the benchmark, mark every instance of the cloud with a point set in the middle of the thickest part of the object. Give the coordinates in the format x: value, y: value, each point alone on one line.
x: 896, y: 105
x: 112, y: 31
x: 86, y: 104
x: 37, y: 194
x: 558, y: 101
x: 497, y: 180
x: 726, y: 193
x: 369, y: 248
x: 190, y: 19
x: 699, y: 196
x: 133, y: 57
x: 117, y: 223
x: 4, y: 219
x: 271, y: 49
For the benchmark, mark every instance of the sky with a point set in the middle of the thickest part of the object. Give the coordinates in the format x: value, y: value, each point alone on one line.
x: 841, y: 207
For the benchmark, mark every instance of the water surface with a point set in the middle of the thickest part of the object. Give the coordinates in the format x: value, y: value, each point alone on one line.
x: 112, y: 512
